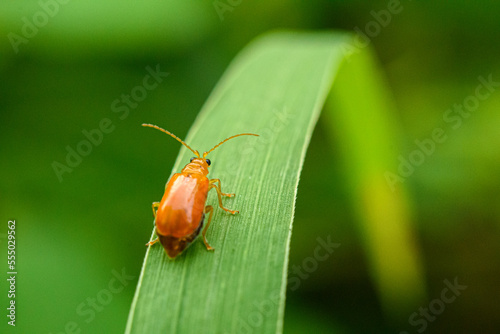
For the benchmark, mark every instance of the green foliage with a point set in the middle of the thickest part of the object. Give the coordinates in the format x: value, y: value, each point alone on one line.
x: 74, y: 235
x: 276, y: 88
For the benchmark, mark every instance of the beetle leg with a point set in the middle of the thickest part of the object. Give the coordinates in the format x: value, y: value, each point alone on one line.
x: 219, y: 194
x: 155, y: 206
x: 213, y: 181
x: 208, y: 209
x: 152, y: 242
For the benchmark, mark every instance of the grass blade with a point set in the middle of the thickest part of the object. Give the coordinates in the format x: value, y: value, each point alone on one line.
x: 276, y: 87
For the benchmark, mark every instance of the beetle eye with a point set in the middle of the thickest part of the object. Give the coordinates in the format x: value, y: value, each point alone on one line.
x: 191, y: 160
x: 208, y: 161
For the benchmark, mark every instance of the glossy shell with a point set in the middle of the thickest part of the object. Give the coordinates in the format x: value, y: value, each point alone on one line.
x: 181, y: 208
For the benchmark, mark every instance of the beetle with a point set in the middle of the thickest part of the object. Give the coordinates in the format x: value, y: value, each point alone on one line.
x: 180, y: 215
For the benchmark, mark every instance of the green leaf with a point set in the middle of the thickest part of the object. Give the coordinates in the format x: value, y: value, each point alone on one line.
x: 276, y: 88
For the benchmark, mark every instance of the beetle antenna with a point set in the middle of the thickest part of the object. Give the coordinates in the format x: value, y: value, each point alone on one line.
x: 175, y: 137
x: 225, y: 140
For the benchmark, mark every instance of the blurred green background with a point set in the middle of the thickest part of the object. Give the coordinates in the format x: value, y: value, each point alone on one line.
x: 76, y: 233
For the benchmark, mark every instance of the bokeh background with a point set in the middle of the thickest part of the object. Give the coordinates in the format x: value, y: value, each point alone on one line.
x: 75, y: 233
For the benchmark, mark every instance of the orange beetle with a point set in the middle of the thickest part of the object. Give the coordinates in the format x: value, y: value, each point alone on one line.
x: 180, y: 215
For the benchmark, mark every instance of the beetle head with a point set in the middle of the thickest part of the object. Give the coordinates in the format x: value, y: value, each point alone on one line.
x: 197, y: 166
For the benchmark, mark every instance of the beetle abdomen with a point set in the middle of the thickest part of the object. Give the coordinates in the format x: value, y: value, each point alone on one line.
x: 174, y: 246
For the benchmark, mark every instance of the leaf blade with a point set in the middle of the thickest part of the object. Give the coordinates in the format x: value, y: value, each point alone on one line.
x: 276, y: 88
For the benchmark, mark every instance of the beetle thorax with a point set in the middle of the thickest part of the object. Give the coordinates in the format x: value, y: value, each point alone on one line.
x: 196, y: 166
